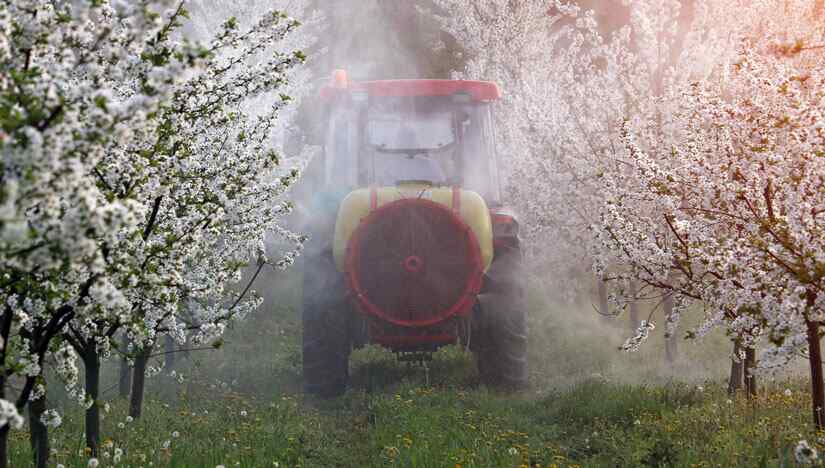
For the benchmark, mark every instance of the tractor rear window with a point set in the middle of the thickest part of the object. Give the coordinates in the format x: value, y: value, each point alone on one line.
x: 387, y: 140
x: 412, y: 138
x: 411, y: 133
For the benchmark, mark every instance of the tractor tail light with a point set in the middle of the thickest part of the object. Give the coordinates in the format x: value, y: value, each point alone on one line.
x: 504, y: 225
x: 340, y: 79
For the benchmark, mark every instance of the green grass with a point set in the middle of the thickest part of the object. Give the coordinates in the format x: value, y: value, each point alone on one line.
x: 588, y: 405
x: 594, y: 423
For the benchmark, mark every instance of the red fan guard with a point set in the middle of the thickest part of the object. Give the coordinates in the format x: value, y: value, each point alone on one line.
x: 414, y: 263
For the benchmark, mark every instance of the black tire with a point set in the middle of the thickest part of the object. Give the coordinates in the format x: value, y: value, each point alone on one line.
x: 500, y: 326
x: 326, y: 340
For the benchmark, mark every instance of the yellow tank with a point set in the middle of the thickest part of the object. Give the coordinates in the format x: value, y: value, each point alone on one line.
x: 356, y: 206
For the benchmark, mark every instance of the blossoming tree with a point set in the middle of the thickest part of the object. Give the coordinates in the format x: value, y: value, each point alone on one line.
x: 682, y: 154
x: 736, y: 200
x: 568, y: 91
x: 133, y: 188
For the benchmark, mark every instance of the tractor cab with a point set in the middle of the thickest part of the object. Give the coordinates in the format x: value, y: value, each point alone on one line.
x: 395, y: 132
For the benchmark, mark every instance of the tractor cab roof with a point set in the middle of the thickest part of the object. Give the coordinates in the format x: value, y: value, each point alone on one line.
x: 479, y: 91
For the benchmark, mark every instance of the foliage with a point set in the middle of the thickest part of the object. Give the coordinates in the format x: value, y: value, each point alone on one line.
x: 681, y: 152
x: 729, y: 212
x: 134, y: 186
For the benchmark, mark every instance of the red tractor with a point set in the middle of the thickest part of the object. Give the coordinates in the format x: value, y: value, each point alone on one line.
x: 411, y: 246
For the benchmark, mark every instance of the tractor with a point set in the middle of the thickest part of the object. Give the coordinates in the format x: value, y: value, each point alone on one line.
x: 411, y: 246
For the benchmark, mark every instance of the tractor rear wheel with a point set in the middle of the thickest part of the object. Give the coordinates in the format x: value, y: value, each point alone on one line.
x: 326, y: 341
x: 500, y: 326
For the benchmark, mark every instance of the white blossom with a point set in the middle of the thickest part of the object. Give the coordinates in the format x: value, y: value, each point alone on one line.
x: 804, y: 453
x: 51, y: 418
x: 9, y: 415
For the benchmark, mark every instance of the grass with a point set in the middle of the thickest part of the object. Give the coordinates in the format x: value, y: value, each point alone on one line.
x: 587, y: 406
x: 594, y: 423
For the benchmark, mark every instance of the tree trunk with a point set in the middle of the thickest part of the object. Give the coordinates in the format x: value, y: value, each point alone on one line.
x: 736, y: 370
x: 750, y: 368
x: 671, y: 350
x: 91, y: 362
x: 4, y: 431
x: 4, y: 446
x: 815, y: 360
x: 38, y: 432
x: 138, y: 382
x: 5, y: 329
x: 186, y: 354
x: 169, y: 349
x: 604, y: 308
x: 125, y: 377
x: 634, y: 310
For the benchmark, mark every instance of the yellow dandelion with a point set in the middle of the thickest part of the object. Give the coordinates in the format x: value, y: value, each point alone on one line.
x: 391, y: 452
